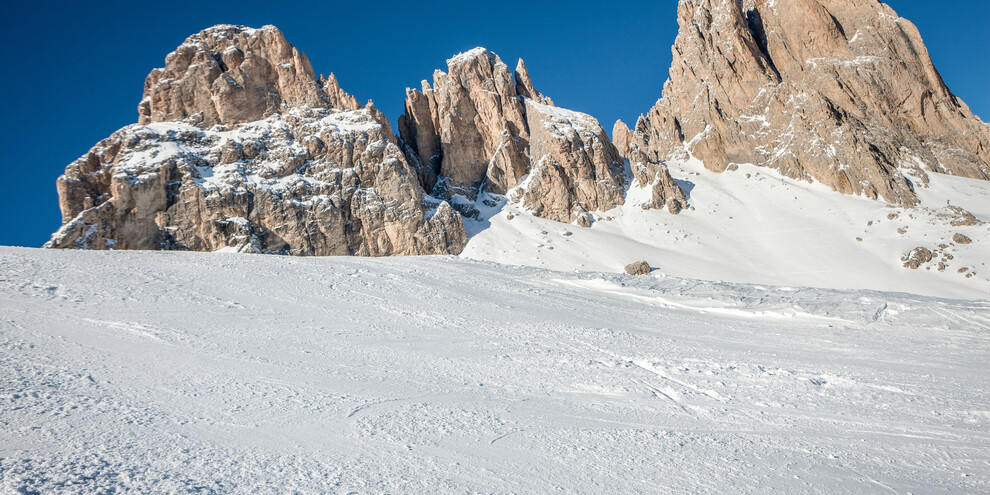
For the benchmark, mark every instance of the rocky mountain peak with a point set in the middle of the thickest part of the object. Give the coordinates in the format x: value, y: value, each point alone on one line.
x: 241, y: 147
x: 481, y: 128
x: 475, y: 132
x: 838, y: 91
x: 524, y: 85
x: 336, y: 97
x: 233, y: 74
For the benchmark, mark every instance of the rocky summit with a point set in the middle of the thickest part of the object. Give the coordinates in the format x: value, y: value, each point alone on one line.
x: 240, y: 145
x: 483, y: 128
x: 842, y: 92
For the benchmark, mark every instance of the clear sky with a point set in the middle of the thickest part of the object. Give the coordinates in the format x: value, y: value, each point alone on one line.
x: 75, y: 70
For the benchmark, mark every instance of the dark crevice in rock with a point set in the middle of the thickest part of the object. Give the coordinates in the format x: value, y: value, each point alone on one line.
x: 755, y: 22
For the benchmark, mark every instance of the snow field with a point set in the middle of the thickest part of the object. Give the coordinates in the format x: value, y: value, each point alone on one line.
x: 218, y: 373
x: 752, y: 225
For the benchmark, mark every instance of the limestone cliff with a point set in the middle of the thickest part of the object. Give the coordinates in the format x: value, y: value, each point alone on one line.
x: 240, y: 146
x: 838, y: 91
x: 481, y: 128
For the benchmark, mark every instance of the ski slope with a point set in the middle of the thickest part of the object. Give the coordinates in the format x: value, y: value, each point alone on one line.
x: 753, y: 225
x: 175, y: 372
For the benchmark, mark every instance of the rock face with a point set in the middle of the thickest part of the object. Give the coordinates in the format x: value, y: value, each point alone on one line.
x: 475, y: 133
x: 838, y: 91
x: 665, y: 192
x: 480, y: 127
x: 266, y: 158
x: 240, y: 146
x: 575, y: 167
x: 336, y: 97
x: 228, y: 75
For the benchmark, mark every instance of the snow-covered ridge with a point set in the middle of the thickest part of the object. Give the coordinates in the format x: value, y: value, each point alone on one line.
x: 469, y: 55
x: 564, y: 121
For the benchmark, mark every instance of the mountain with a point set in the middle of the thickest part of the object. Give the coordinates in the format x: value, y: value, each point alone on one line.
x: 772, y: 109
x: 481, y: 128
x: 240, y: 146
x: 841, y: 92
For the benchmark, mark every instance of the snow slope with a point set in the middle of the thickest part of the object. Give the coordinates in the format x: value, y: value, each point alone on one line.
x: 753, y: 225
x: 218, y: 373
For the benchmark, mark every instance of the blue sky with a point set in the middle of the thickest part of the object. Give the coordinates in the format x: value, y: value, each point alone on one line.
x: 76, y: 69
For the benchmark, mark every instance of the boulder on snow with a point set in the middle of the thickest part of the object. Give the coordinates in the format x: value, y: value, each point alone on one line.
x: 961, y: 239
x: 916, y: 257
x: 583, y: 219
x: 639, y: 268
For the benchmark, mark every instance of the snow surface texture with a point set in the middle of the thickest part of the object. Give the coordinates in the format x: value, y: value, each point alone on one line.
x: 753, y: 225
x: 213, y: 372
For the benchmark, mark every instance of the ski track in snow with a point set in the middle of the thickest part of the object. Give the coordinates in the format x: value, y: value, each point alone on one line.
x: 218, y: 373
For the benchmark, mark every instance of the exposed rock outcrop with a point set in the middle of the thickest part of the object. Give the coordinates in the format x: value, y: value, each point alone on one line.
x: 524, y: 85
x: 838, y: 91
x: 234, y: 74
x: 961, y: 238
x: 476, y: 130
x: 575, y: 167
x: 917, y: 257
x: 665, y: 192
x: 475, y: 133
x: 336, y: 97
x: 241, y: 147
x: 308, y: 182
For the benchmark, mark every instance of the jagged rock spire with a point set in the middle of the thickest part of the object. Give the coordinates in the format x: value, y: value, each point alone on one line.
x: 480, y: 127
x: 231, y: 74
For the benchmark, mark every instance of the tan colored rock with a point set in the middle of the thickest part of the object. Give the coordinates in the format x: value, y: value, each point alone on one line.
x: 838, y: 91
x: 666, y: 192
x: 622, y: 137
x: 576, y: 167
x: 916, y: 257
x: 233, y: 74
x: 417, y: 126
x: 474, y: 128
x: 638, y: 268
x: 336, y: 97
x: 961, y: 239
x: 350, y: 191
x: 478, y: 120
x: 959, y: 217
x: 584, y: 219
x: 284, y: 174
x: 524, y: 85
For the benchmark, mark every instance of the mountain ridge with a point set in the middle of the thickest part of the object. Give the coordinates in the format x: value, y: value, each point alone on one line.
x: 260, y: 154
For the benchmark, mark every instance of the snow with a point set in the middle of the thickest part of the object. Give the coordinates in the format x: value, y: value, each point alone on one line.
x: 212, y: 372
x: 565, y: 122
x: 856, y: 62
x: 467, y: 56
x: 764, y: 229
